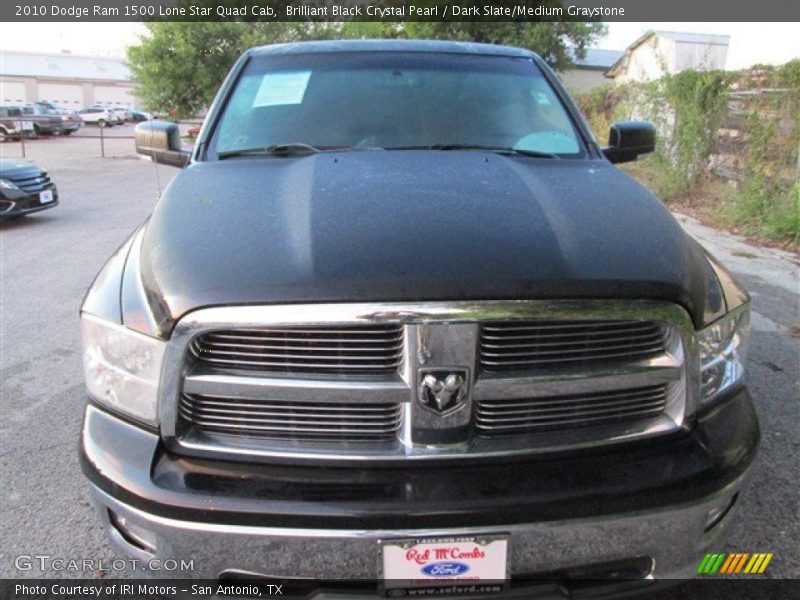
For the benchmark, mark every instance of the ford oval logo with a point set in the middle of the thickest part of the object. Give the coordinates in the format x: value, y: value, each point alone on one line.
x: 445, y: 569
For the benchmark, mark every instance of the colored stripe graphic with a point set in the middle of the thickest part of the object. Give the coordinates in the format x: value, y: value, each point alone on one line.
x: 764, y: 564
x: 728, y: 564
x: 741, y: 562
x: 703, y: 563
x: 718, y: 564
x: 752, y: 564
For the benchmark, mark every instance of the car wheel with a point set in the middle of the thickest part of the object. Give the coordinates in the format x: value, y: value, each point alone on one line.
x: 3, y: 136
x: 69, y: 132
x: 36, y: 131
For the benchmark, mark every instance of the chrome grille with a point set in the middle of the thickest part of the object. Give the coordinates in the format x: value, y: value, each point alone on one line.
x: 528, y: 415
x: 369, y: 349
x: 297, y: 421
x: 548, y: 344
x: 343, y: 381
x: 31, y: 182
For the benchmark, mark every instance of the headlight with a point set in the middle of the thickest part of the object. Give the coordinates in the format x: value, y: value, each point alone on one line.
x: 122, y: 368
x: 7, y: 185
x: 723, y: 352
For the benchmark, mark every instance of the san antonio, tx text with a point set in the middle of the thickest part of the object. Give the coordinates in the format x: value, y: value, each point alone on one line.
x: 137, y: 590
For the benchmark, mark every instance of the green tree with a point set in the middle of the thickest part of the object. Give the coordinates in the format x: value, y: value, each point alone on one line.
x: 556, y: 43
x: 179, y: 66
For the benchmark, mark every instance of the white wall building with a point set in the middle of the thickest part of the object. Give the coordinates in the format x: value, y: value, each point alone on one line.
x: 657, y: 53
x: 66, y: 79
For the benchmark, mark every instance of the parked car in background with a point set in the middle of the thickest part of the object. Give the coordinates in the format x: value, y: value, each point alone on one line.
x: 118, y: 114
x: 13, y: 124
x: 123, y: 113
x: 55, y: 107
x: 24, y: 189
x: 70, y: 119
x: 98, y: 116
x: 115, y: 116
x: 45, y: 121
x: 71, y: 123
x: 138, y: 116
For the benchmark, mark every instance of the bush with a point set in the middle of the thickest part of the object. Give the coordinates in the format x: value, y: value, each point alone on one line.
x: 688, y: 109
x: 768, y: 202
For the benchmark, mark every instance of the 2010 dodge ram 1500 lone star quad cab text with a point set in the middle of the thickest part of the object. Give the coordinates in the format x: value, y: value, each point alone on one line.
x: 401, y: 320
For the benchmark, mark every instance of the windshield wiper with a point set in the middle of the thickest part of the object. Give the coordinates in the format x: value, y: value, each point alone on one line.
x: 494, y: 149
x: 292, y: 149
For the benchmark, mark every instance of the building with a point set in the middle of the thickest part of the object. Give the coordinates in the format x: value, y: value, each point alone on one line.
x: 589, y: 72
x: 66, y: 79
x: 657, y: 53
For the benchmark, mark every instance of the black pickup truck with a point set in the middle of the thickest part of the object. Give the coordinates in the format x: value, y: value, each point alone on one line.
x: 401, y: 323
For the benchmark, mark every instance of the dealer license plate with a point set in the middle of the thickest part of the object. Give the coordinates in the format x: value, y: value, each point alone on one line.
x: 46, y: 197
x: 452, y: 565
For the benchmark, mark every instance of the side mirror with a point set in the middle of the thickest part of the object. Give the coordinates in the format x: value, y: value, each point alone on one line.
x: 628, y: 139
x: 161, y: 141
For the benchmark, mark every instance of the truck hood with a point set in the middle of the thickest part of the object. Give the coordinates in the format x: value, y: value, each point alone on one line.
x: 412, y: 226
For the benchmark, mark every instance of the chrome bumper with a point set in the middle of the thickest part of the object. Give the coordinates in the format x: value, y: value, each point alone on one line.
x: 674, y: 539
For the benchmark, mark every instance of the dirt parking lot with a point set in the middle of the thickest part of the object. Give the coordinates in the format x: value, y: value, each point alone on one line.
x: 48, y: 260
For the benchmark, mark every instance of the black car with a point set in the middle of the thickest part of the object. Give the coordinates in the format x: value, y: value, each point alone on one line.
x: 24, y: 189
x: 401, y: 320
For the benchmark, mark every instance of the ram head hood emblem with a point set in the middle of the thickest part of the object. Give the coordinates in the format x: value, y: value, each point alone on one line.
x: 443, y: 391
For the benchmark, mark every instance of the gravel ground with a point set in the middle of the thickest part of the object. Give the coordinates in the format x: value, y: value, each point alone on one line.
x: 48, y: 260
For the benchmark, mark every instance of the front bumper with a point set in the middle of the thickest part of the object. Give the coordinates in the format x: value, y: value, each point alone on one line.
x: 643, y: 500
x: 14, y: 204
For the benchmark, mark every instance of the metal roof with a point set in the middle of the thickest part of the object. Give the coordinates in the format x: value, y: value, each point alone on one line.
x: 432, y: 46
x: 695, y: 38
x: 62, y: 66
x: 597, y: 58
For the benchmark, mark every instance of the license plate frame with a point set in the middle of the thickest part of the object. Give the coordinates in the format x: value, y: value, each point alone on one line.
x: 402, y: 560
x: 46, y: 197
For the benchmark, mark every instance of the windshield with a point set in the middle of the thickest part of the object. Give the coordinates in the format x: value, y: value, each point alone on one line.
x: 393, y: 101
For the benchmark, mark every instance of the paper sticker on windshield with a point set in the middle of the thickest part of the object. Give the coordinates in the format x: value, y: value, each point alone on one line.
x: 276, y: 89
